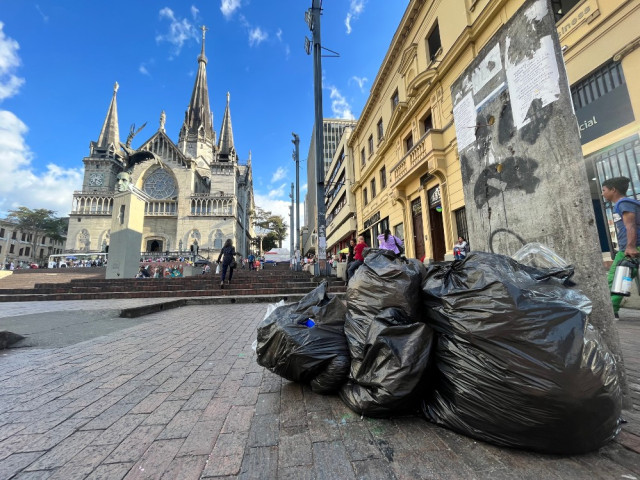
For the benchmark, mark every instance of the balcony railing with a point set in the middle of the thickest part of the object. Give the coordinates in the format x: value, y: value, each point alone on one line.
x: 212, y: 205
x: 161, y: 208
x: 92, y: 203
x: 421, y: 152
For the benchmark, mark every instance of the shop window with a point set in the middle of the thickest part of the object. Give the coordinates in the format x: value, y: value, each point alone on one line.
x: 426, y: 124
x: 602, y: 81
x: 562, y: 7
x: 370, y: 145
x: 365, y: 198
x: 395, y: 100
x: 380, y: 130
x: 383, y: 178
x: 373, y: 188
x: 433, y: 43
x: 408, y: 143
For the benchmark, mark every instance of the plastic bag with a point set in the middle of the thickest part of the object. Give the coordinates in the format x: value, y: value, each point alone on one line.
x: 542, y: 257
x: 218, y: 269
x: 517, y: 363
x: 319, y: 355
x: 389, y: 348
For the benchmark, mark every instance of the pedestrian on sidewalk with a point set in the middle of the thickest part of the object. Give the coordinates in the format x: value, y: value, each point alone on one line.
x: 390, y: 242
x: 626, y: 216
x: 358, y: 257
x: 227, y: 254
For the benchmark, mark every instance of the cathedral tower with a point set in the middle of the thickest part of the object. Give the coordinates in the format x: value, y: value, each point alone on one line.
x: 197, y: 138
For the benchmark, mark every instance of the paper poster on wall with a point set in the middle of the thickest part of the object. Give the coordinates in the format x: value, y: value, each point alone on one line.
x: 489, y: 68
x: 534, y: 77
x: 464, y: 117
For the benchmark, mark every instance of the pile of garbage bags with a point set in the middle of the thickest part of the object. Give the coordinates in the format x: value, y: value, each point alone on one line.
x: 304, y: 342
x: 516, y: 361
x: 390, y: 349
x: 487, y: 346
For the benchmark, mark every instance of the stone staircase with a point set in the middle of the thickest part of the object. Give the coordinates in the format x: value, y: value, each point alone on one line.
x: 270, y: 283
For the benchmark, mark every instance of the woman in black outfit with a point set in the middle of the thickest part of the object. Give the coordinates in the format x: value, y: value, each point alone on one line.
x: 227, y: 254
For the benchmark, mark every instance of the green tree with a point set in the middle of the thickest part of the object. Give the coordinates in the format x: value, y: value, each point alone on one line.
x: 37, y: 224
x: 269, y: 242
x: 278, y: 227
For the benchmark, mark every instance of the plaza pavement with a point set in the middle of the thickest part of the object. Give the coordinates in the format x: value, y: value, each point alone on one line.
x: 180, y: 396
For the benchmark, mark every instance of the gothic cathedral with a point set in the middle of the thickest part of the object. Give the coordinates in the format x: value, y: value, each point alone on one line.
x: 196, y: 192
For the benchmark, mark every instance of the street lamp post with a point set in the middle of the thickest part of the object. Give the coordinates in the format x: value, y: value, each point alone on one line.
x: 291, y: 228
x: 313, y: 20
x: 296, y: 158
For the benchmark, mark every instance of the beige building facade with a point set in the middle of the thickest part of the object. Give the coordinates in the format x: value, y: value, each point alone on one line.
x: 197, y: 193
x: 18, y: 247
x: 406, y: 164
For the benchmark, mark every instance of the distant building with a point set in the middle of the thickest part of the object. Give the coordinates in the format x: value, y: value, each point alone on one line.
x: 340, y: 203
x: 332, y: 129
x: 18, y: 247
x: 200, y: 194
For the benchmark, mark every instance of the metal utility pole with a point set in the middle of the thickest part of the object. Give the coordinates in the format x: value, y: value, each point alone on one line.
x: 313, y: 20
x: 291, y: 226
x: 296, y: 158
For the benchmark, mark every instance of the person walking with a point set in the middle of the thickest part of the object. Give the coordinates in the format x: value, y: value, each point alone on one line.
x: 358, y: 257
x: 626, y: 216
x: 227, y: 254
x: 252, y: 261
x: 390, y: 242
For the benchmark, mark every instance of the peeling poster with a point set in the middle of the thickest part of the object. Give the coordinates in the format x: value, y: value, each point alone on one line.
x: 464, y: 116
x: 535, y: 77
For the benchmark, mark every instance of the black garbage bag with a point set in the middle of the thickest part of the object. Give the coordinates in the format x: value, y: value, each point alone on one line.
x: 390, y: 348
x: 316, y: 355
x: 516, y: 361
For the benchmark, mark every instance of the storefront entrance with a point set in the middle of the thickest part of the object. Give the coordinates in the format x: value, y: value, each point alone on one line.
x: 436, y: 224
x: 418, y: 230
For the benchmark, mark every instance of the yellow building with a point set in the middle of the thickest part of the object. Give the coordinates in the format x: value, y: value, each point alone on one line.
x: 406, y: 165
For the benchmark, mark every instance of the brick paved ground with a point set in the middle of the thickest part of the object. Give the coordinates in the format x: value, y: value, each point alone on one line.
x: 181, y: 397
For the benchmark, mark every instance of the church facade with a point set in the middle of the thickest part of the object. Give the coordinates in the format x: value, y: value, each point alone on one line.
x: 196, y: 191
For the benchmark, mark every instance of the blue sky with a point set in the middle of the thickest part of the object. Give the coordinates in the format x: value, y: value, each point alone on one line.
x: 60, y: 59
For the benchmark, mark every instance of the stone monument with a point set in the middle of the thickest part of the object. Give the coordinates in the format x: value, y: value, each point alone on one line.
x: 126, y: 231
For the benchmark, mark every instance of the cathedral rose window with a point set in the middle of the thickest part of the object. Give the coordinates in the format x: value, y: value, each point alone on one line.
x: 160, y: 185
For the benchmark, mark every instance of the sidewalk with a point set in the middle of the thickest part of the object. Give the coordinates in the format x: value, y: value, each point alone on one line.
x: 181, y: 396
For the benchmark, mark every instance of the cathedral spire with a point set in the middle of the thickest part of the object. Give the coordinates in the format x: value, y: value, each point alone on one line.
x: 225, y: 145
x: 197, y: 124
x: 110, y: 134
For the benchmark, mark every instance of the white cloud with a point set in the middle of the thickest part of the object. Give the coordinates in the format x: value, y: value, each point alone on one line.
x: 9, y: 61
x: 279, y: 34
x: 194, y: 12
x: 356, y: 7
x: 52, y: 189
x: 257, y: 36
x: 180, y: 31
x: 227, y: 7
x: 339, y: 105
x: 360, y: 81
x: 143, y: 69
x: 277, y: 192
x: 279, y: 174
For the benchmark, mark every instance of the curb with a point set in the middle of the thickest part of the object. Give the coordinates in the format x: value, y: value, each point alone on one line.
x: 135, y: 312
